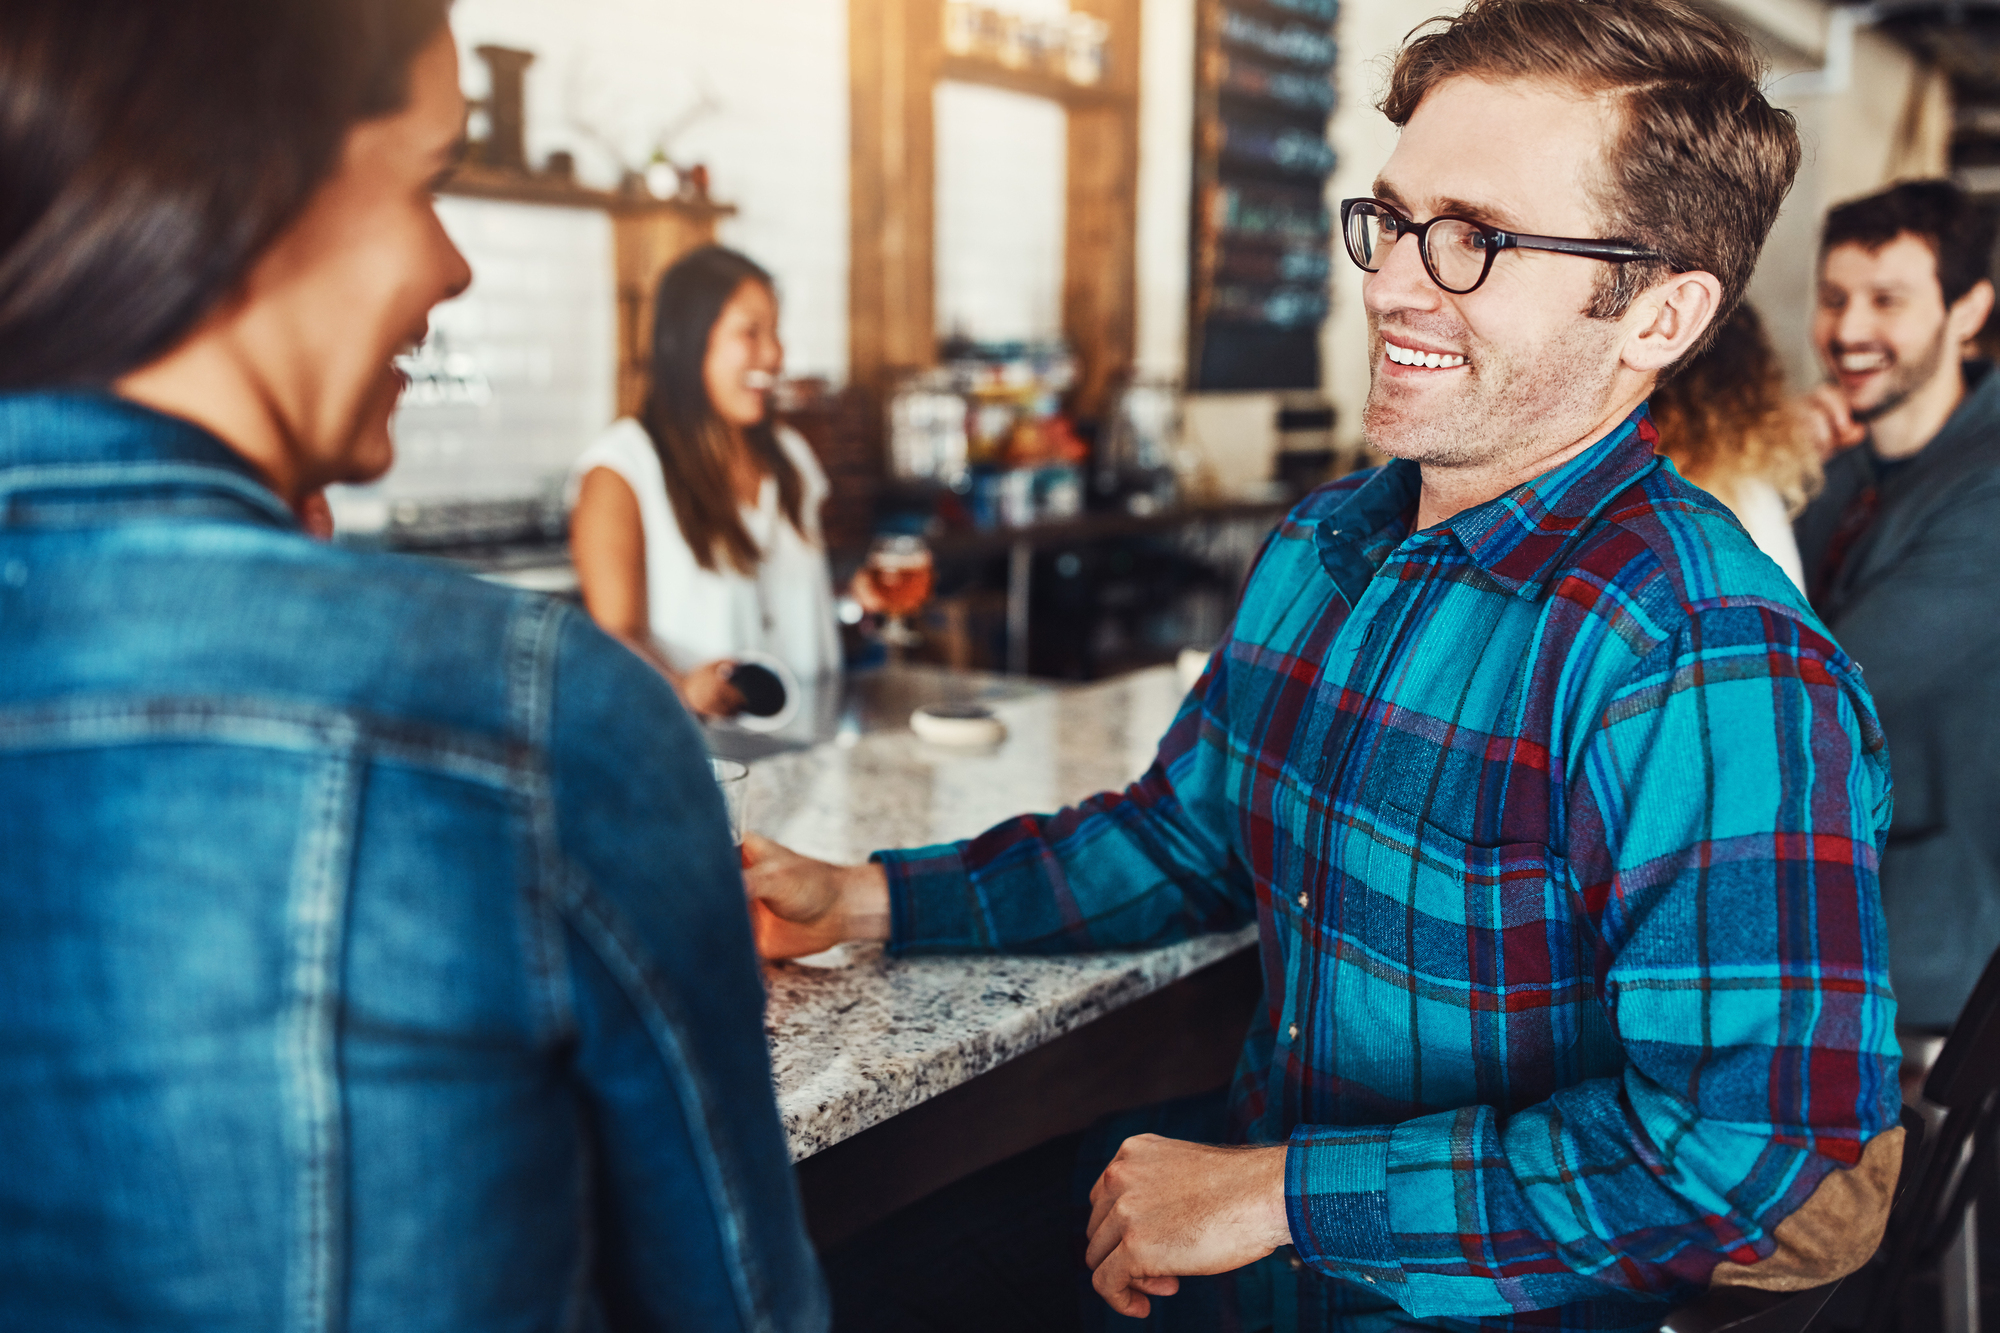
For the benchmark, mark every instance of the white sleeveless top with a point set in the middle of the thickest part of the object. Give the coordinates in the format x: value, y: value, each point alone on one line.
x: 698, y: 615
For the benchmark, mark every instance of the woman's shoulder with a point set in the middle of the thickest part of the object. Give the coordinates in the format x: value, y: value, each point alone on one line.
x: 623, y: 441
x: 625, y: 449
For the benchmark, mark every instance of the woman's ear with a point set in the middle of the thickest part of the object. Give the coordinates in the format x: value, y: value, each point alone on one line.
x: 1667, y: 320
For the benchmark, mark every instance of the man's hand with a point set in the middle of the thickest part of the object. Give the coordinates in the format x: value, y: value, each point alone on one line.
x: 1829, y: 423
x: 800, y: 906
x: 1164, y: 1209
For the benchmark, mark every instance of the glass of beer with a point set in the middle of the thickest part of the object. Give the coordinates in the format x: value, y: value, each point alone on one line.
x: 900, y: 569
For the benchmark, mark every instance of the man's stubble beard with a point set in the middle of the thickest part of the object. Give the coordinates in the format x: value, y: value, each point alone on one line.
x: 1505, y: 404
x: 1905, y: 381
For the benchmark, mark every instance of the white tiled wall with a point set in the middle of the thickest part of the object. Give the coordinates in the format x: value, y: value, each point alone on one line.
x: 609, y: 77
x: 777, y: 147
x: 775, y: 144
x: 537, y: 331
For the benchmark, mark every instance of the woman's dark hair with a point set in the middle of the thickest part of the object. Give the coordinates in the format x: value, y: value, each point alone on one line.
x: 151, y: 149
x: 1957, y: 227
x: 694, y: 445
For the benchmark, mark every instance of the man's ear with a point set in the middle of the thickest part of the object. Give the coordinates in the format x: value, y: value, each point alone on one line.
x: 1669, y: 319
x: 1968, y: 313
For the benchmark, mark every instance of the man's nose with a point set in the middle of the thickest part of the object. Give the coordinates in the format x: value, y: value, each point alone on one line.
x: 1856, y: 324
x: 1401, y: 283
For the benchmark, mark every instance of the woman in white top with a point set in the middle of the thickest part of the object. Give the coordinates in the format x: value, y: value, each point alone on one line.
x: 1725, y: 420
x: 695, y: 528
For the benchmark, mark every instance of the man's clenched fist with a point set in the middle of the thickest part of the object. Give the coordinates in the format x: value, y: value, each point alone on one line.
x: 1165, y: 1209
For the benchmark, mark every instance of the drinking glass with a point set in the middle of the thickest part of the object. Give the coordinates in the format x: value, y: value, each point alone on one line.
x: 734, y: 779
x: 901, y: 569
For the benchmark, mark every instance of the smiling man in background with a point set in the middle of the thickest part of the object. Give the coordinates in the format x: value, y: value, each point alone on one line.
x: 1902, y: 554
x: 1556, y: 808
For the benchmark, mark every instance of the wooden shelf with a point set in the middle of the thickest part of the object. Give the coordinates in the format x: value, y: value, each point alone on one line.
x: 517, y: 188
x: 1035, y: 83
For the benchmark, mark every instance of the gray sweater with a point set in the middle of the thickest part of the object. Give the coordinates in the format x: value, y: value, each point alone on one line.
x: 1917, y: 604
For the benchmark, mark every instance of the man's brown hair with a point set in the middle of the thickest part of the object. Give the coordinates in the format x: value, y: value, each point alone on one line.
x: 1701, y: 162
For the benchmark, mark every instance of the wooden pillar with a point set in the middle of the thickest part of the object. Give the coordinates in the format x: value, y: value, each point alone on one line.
x: 1100, y: 263
x: 895, y: 59
x: 893, y: 53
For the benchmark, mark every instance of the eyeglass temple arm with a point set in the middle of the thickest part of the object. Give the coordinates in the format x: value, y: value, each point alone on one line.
x: 1514, y: 240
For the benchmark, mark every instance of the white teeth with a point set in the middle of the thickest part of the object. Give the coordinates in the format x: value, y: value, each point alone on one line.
x: 1405, y: 356
x: 1859, y: 362
x: 759, y: 379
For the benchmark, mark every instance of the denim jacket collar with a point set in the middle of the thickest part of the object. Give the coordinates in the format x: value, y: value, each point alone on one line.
x: 65, y: 453
x: 1521, y: 539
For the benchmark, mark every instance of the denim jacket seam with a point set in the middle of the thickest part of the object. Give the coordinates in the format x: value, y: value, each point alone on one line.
x: 597, y: 923
x: 113, y: 477
x: 77, y: 721
x: 308, y: 1044
x: 534, y: 634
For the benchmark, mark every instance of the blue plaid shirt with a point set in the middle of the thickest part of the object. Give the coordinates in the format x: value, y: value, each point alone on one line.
x: 1559, y: 822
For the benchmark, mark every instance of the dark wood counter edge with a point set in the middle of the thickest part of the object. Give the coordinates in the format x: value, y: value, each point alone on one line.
x: 1180, y: 1040
x: 1099, y: 527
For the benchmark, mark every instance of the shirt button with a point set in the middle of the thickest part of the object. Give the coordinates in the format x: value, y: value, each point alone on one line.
x: 1302, y: 898
x: 1293, y: 1030
x: 1369, y: 1280
x: 1296, y: 1262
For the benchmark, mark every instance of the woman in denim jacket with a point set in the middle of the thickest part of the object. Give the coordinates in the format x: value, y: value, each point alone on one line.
x: 372, y: 948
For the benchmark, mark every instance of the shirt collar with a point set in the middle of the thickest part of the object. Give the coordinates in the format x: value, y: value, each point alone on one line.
x: 1523, y: 538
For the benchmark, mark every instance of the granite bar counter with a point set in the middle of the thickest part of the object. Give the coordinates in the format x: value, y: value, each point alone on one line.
x: 862, y: 1038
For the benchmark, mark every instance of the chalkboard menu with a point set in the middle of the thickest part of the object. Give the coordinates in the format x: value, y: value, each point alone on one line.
x: 1262, y: 233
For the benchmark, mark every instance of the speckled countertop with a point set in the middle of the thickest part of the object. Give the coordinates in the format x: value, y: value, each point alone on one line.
x: 855, y: 1043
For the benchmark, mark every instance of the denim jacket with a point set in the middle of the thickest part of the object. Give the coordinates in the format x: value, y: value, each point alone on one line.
x: 372, y: 947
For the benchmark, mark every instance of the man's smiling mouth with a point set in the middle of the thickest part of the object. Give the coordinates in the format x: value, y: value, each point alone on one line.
x: 1410, y: 356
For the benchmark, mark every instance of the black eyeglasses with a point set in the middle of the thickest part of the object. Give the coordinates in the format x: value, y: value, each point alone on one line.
x: 1457, y: 253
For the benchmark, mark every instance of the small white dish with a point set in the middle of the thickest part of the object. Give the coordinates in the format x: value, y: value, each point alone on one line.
x: 960, y: 726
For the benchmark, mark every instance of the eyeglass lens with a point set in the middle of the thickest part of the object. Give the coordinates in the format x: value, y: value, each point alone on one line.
x: 1454, y: 252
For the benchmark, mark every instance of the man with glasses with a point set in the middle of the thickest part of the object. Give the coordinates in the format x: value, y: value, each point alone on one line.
x: 1556, y: 807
